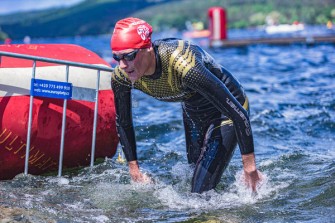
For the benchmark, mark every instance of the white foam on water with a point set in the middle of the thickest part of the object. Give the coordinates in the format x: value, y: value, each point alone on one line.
x: 237, y: 194
x: 75, y: 206
x: 266, y: 163
x: 331, y: 152
x: 111, y: 196
x: 181, y: 170
x: 28, y: 200
x: 63, y: 181
x: 46, y: 192
x: 51, y: 211
x: 177, y: 196
x: 100, y: 219
x: 60, y: 181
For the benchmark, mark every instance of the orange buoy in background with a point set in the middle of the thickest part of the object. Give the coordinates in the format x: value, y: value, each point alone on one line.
x: 217, y: 25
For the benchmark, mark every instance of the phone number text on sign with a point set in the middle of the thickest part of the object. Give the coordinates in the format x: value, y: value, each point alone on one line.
x: 51, y: 89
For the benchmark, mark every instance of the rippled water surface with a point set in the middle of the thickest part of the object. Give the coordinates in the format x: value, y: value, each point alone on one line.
x: 292, y: 95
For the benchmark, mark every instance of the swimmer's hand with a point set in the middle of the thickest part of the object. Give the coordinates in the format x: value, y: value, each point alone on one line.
x: 252, y: 179
x: 136, y: 174
x: 252, y: 176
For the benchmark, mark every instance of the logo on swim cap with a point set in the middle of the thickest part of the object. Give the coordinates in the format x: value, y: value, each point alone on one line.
x: 143, y: 31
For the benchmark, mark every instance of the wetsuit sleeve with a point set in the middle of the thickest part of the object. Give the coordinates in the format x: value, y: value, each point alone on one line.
x: 124, y: 123
x: 200, y: 79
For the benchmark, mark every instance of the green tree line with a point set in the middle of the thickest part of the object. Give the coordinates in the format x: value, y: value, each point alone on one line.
x: 241, y: 13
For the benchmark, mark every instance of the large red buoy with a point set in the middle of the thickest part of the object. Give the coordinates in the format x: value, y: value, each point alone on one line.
x: 15, y: 80
x: 217, y: 24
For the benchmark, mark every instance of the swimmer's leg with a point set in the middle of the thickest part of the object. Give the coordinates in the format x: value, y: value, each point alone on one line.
x: 194, y: 136
x: 219, y: 145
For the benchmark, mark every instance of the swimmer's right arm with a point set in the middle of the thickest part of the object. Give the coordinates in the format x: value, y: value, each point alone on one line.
x: 124, y: 123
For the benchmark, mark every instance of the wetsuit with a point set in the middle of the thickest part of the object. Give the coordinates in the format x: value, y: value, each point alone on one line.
x: 215, y: 107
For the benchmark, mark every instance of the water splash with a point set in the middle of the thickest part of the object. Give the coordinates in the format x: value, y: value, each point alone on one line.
x: 176, y: 196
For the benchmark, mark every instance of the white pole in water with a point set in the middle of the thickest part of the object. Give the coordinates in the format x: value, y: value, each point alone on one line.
x: 95, y: 118
x: 26, y: 164
x: 61, y: 152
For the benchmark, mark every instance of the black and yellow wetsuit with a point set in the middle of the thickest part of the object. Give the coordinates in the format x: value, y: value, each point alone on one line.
x: 215, y: 107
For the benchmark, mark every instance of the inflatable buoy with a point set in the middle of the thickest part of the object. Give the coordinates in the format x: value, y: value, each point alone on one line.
x: 15, y: 82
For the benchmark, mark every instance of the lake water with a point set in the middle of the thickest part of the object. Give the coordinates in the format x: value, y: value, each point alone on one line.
x: 292, y: 95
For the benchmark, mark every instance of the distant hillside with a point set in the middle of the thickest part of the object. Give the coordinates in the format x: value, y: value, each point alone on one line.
x: 99, y: 16
x: 87, y: 18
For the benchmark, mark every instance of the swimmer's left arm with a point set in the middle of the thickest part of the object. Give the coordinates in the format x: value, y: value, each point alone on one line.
x: 200, y: 79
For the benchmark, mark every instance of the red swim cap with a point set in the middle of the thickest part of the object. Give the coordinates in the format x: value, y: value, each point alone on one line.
x: 131, y: 33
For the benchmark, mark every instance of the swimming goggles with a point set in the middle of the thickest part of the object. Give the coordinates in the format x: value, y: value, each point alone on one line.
x: 126, y: 56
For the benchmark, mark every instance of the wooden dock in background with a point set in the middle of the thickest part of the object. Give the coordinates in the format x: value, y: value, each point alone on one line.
x: 308, y: 40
